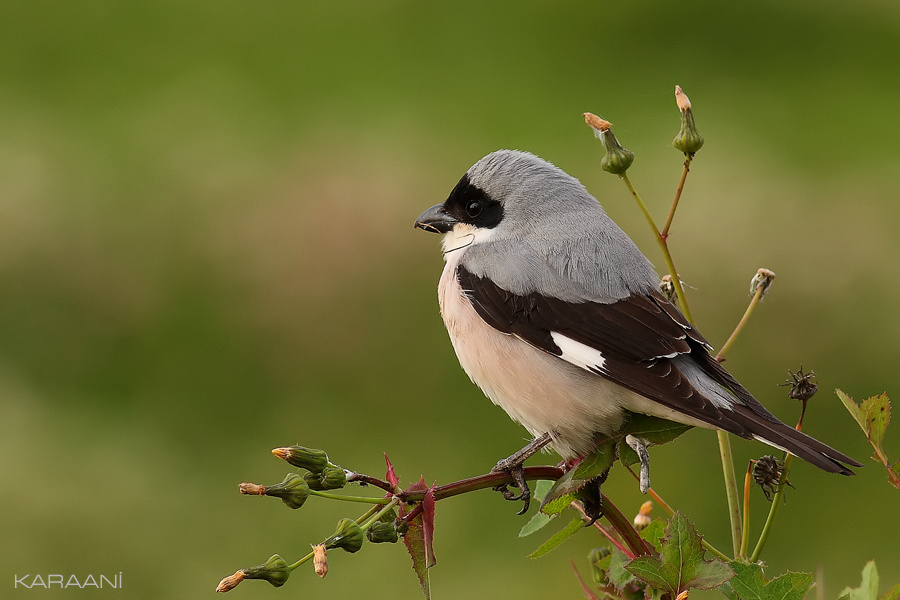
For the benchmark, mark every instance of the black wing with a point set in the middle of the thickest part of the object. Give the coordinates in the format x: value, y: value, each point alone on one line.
x: 644, y: 344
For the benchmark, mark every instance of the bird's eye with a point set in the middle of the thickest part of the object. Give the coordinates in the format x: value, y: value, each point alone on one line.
x: 473, y: 208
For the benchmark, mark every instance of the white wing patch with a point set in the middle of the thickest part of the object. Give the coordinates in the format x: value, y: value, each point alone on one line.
x: 580, y: 355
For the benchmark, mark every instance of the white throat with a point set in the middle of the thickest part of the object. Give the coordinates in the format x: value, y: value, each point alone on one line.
x: 461, y: 237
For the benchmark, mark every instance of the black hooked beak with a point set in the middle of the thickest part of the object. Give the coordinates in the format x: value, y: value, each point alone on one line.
x: 436, y: 220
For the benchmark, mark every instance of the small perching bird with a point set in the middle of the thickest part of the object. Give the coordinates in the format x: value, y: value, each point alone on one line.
x: 556, y: 315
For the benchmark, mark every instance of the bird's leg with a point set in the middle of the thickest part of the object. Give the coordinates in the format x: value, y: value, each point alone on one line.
x: 591, y: 499
x: 644, y: 456
x: 513, y: 466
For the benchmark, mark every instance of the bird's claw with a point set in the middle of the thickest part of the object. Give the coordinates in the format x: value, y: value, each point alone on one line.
x: 514, y: 466
x: 517, y: 474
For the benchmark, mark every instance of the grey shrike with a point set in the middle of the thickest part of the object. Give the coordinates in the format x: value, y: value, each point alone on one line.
x: 556, y: 315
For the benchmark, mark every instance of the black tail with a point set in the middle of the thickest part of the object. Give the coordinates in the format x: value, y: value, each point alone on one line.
x: 784, y: 437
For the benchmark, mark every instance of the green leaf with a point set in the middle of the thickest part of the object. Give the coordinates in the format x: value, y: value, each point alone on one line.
x: 556, y: 506
x: 748, y: 583
x: 852, y: 408
x: 537, y: 522
x: 595, y: 464
x: 680, y: 565
x: 617, y: 574
x: 568, y: 531
x: 868, y: 589
x: 877, y: 414
x: 652, y: 431
x: 654, y: 532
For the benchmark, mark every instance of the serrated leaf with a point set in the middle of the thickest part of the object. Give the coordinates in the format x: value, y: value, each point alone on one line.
x: 428, y: 503
x: 390, y: 475
x: 654, y: 532
x: 414, y: 540
x: 680, y: 565
x: 748, y: 583
x: 617, y: 574
x: 590, y: 467
x: 852, y: 408
x: 568, y: 531
x: 652, y: 431
x: 894, y: 475
x: 877, y: 414
x: 597, y: 463
x: 868, y: 589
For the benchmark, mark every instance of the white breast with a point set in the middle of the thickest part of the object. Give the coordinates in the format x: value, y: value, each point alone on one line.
x: 540, y: 391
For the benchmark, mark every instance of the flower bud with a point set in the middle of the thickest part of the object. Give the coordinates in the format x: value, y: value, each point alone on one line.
x: 380, y: 532
x: 252, y: 489
x: 762, y: 280
x: 320, y: 560
x: 688, y: 139
x: 275, y: 571
x: 311, y: 459
x: 332, y: 477
x: 642, y: 519
x: 349, y: 536
x: 230, y: 582
x: 293, y: 490
x: 617, y: 159
x: 595, y: 556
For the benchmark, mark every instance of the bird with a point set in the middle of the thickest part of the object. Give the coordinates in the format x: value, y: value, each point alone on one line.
x: 557, y: 316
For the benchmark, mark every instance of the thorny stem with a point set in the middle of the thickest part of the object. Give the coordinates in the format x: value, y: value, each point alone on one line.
x: 480, y: 482
x: 368, y: 480
x: 684, y: 173
x: 757, y: 296
x: 664, y: 247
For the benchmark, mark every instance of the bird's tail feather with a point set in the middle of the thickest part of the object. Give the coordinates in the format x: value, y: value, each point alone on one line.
x: 787, y: 438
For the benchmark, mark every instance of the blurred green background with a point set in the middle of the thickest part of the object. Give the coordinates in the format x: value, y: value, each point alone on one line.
x: 206, y: 251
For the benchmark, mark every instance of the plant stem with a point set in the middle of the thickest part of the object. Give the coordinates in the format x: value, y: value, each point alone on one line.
x: 667, y: 256
x: 773, y: 510
x: 731, y: 490
x: 367, y: 520
x: 745, y: 539
x: 684, y: 173
x: 481, y: 482
x: 734, y: 511
x: 301, y: 561
x: 741, y: 324
x: 350, y: 498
